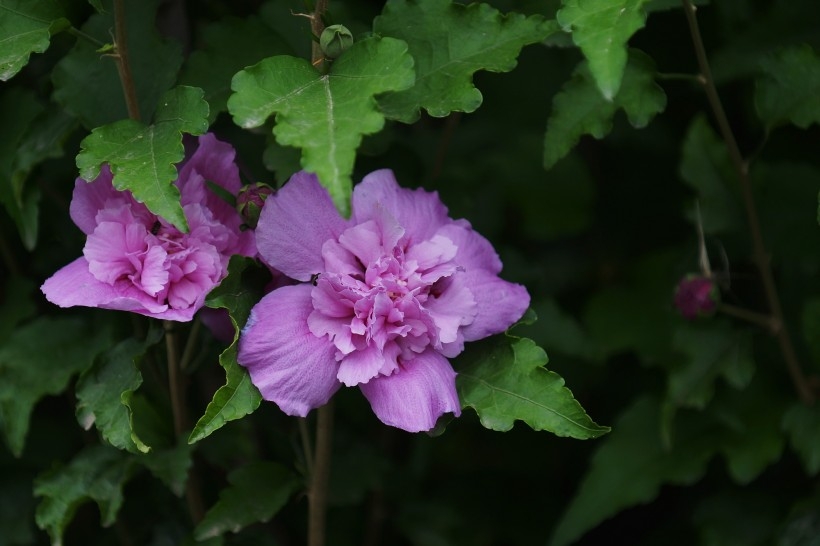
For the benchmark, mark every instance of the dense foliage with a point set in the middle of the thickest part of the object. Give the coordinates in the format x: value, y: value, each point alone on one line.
x: 648, y: 169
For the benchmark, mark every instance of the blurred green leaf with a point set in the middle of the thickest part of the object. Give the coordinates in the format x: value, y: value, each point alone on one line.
x: 257, y: 492
x: 504, y: 380
x: 737, y: 518
x: 324, y: 115
x: 711, y: 350
x: 229, y: 45
x: 143, y: 157
x: 26, y: 27
x: 97, y: 473
x: 602, y: 28
x: 788, y: 91
x: 171, y: 465
x: 705, y: 166
x: 629, y: 468
x: 802, y: 424
x: 39, y: 360
x: 86, y: 82
x: 238, y: 397
x: 579, y: 109
x: 16, y: 510
x: 104, y: 392
x: 449, y: 43
x: 17, y: 305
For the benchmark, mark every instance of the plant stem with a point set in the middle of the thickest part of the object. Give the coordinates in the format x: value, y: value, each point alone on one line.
x: 317, y: 25
x: 190, y: 344
x: 760, y: 255
x: 307, y: 450
x: 317, y: 495
x: 123, y: 64
x: 764, y: 321
x: 77, y: 33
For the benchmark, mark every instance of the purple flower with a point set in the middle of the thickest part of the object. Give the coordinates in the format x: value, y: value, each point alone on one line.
x: 696, y: 296
x: 387, y: 297
x: 133, y: 260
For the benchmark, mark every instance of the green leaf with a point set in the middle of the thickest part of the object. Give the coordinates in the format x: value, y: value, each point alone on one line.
x: 504, y: 380
x: 257, y: 492
x: 579, y: 109
x: 705, y: 166
x: 602, y: 28
x: 86, y: 82
x: 39, y: 360
x: 171, y: 465
x: 450, y: 42
x: 738, y: 518
x: 97, y: 473
x: 143, y: 157
x: 802, y: 424
x: 324, y: 115
x: 104, y: 393
x: 17, y: 305
x: 16, y: 510
x: 26, y: 27
x: 711, y: 350
x: 238, y: 397
x: 788, y: 91
x: 229, y: 46
x: 629, y: 468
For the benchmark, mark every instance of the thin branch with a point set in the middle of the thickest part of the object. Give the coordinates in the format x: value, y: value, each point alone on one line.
x: 764, y: 321
x: 317, y: 26
x: 122, y: 60
x: 307, y: 450
x: 317, y: 495
x: 761, y: 257
x: 174, y: 378
x: 77, y: 33
x: 190, y: 345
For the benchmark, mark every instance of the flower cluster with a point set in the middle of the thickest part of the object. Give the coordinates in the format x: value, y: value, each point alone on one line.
x: 134, y: 260
x: 386, y: 298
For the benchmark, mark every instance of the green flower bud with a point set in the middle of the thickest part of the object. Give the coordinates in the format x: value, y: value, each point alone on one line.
x: 250, y: 200
x: 335, y: 40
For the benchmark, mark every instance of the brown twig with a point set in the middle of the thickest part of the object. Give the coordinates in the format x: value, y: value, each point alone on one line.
x: 317, y: 25
x: 760, y: 255
x: 122, y: 60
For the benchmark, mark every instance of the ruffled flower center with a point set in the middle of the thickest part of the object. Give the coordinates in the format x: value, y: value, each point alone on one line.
x: 383, y: 299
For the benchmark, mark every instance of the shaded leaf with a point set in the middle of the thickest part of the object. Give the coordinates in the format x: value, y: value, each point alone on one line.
x: 229, y: 45
x: 171, y: 465
x: 17, y: 305
x: 705, y: 166
x: 504, y: 380
x: 39, y: 360
x: 26, y: 27
x: 629, y: 468
x: 97, y: 473
x: 579, y: 109
x: 324, y: 115
x: 16, y: 510
x: 737, y: 518
x: 788, y: 91
x: 449, y: 43
x: 86, y: 82
x: 257, y: 492
x: 104, y: 393
x: 802, y: 424
x: 238, y: 397
x: 143, y: 157
x: 602, y: 28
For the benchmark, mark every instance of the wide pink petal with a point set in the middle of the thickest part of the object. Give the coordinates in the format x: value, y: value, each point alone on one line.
x: 294, y: 224
x: 89, y: 198
x: 74, y: 285
x: 288, y: 364
x: 416, y: 395
x: 474, y: 251
x: 500, y: 304
x: 419, y: 212
x: 360, y: 366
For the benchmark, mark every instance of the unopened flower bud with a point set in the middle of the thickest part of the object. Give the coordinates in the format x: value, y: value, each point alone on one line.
x: 335, y: 40
x: 250, y: 200
x: 696, y: 296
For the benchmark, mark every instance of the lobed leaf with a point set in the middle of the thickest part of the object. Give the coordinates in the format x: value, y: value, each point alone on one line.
x: 104, y: 393
x: 97, y: 473
x: 238, y: 397
x: 449, y: 43
x: 257, y: 492
x: 39, y: 360
x: 602, y: 28
x: 324, y: 115
x: 171, y: 465
x: 26, y: 27
x: 143, y: 157
x: 504, y: 380
x: 788, y: 90
x: 579, y: 109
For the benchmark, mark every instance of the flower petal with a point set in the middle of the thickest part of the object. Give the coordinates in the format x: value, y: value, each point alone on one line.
x: 500, y: 304
x: 474, y: 251
x: 90, y: 197
x: 416, y: 395
x: 419, y: 212
x: 294, y: 224
x: 288, y: 364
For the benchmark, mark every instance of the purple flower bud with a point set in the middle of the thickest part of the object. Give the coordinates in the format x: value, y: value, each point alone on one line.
x: 696, y: 296
x: 250, y: 200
